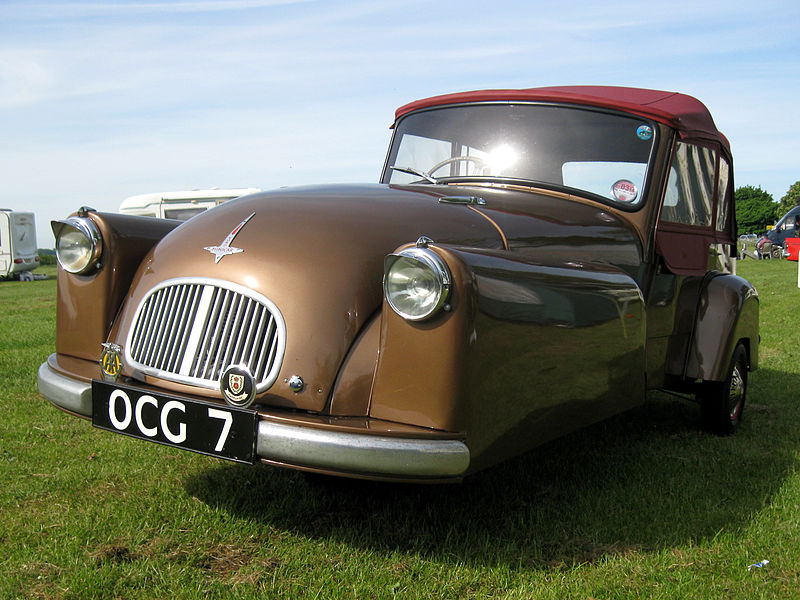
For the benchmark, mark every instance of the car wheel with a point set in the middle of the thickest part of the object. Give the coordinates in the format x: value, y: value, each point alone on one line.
x: 722, y: 402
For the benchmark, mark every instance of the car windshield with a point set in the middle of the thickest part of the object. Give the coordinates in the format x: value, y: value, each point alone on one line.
x: 602, y: 153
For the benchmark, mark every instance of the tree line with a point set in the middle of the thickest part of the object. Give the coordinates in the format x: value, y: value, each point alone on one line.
x: 756, y: 209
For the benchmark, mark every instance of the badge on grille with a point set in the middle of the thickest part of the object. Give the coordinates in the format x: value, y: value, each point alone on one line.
x: 111, y: 361
x: 238, y: 386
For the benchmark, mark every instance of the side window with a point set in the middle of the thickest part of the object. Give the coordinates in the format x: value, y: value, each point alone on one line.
x: 689, y: 199
x: 790, y: 222
x: 723, y: 208
x: 183, y: 214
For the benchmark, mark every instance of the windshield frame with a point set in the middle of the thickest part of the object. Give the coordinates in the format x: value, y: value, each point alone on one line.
x: 387, y: 170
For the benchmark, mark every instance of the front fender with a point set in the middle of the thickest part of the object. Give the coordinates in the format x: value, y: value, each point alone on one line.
x: 87, y: 304
x: 526, y: 353
x: 727, y: 314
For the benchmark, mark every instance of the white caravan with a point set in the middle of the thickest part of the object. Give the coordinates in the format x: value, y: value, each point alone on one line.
x: 179, y: 205
x: 18, y: 250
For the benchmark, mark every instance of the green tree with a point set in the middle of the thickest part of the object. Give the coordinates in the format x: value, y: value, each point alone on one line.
x: 790, y: 199
x: 755, y: 209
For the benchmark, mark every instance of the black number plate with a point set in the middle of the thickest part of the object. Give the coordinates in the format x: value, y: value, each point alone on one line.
x: 220, y: 431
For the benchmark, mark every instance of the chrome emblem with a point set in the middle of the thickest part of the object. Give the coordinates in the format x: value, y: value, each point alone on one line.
x: 236, y: 383
x: 238, y: 386
x: 225, y: 248
x: 111, y: 361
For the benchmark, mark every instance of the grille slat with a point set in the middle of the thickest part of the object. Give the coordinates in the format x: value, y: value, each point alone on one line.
x: 158, y: 331
x: 231, y: 322
x: 179, y: 338
x: 251, y: 330
x: 146, y: 328
x: 159, y: 348
x: 191, y: 330
x: 262, y: 343
x: 168, y: 352
x: 247, y: 315
x: 151, y: 326
x: 217, y: 344
x: 205, y: 357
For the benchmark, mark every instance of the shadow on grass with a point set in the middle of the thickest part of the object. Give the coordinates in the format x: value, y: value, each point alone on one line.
x: 646, y: 480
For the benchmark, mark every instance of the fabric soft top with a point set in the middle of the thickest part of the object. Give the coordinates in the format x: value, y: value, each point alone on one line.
x: 684, y: 113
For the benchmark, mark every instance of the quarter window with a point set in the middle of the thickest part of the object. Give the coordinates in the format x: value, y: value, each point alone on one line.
x: 689, y: 198
x: 722, y: 195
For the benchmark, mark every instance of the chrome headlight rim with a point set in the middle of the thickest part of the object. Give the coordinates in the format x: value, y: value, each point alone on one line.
x: 428, y: 260
x: 91, y: 233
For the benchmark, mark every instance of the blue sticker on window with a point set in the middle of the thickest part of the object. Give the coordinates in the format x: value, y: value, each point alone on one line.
x: 645, y: 132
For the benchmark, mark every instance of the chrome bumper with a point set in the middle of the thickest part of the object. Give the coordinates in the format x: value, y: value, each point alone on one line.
x: 301, y: 446
x: 67, y: 393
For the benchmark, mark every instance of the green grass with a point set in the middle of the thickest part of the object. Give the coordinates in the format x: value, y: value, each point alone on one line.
x: 642, y: 506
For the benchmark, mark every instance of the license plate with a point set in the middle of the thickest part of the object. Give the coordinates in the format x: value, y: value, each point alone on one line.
x: 221, y: 431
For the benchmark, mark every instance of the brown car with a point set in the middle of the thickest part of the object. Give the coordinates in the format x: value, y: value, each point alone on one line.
x: 532, y: 262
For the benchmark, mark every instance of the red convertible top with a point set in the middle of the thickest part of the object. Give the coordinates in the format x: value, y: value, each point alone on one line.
x: 684, y: 113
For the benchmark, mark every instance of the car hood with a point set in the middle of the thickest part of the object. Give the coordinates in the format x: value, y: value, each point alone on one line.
x: 317, y: 254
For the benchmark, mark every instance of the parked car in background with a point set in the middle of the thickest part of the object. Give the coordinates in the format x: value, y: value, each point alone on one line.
x: 18, y: 249
x: 787, y: 227
x: 180, y: 205
x: 532, y: 261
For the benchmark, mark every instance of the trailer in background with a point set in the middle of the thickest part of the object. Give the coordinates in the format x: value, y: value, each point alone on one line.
x: 18, y: 249
x: 180, y: 205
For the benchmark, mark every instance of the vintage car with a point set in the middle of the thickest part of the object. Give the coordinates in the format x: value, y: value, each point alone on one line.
x: 532, y: 261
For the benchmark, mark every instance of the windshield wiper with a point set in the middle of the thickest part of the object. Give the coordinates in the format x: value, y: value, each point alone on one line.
x: 417, y: 172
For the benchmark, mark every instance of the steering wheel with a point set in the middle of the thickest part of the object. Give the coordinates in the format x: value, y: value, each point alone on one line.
x: 454, y: 159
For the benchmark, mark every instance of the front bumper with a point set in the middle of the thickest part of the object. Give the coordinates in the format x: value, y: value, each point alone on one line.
x: 304, y: 446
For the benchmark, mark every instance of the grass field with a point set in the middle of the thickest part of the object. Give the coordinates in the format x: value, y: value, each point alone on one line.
x: 642, y: 506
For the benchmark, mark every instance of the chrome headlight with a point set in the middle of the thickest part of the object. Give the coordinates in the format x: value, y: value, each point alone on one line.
x: 416, y: 283
x: 78, y: 244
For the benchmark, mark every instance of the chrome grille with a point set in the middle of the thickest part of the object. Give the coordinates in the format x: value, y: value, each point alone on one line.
x: 190, y: 330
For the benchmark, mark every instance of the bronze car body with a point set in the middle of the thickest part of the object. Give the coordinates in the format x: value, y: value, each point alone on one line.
x: 533, y: 261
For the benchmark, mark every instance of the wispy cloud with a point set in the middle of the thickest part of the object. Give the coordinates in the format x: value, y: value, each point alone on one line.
x: 104, y: 100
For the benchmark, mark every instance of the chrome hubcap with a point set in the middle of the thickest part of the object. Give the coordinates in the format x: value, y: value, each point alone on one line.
x: 736, y: 393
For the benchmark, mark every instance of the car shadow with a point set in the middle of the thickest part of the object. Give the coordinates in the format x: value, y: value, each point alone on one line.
x: 645, y: 480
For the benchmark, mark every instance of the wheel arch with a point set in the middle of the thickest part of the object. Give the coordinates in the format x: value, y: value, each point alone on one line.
x: 727, y: 315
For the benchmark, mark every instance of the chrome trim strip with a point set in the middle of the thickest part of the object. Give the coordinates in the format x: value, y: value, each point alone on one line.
x: 360, y: 454
x: 65, y: 392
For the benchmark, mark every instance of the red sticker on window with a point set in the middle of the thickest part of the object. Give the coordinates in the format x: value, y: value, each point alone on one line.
x: 624, y: 191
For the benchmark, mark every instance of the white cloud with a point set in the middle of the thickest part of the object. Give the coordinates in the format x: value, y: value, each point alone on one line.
x: 99, y: 100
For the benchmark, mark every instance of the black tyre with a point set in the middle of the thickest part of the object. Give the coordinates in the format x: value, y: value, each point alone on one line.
x: 722, y: 402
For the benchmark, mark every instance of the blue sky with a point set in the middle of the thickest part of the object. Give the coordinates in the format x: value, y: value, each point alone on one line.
x: 103, y: 100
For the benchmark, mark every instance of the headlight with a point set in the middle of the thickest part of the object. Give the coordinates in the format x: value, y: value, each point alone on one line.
x: 416, y: 283
x: 78, y: 244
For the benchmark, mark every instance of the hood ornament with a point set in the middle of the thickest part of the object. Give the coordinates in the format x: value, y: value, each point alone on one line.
x: 225, y: 247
